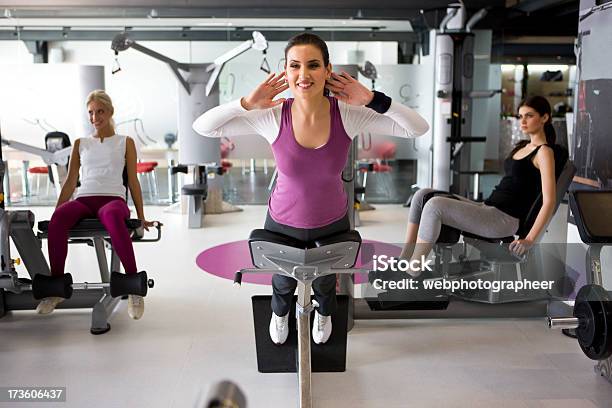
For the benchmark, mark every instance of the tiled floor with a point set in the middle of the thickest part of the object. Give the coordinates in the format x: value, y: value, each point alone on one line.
x: 197, y: 330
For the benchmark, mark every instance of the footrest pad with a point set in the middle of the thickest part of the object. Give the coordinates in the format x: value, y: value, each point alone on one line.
x: 272, y: 358
x: 122, y: 284
x: 52, y: 286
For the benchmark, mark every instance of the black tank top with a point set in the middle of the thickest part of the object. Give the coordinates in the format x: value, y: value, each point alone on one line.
x: 519, y: 188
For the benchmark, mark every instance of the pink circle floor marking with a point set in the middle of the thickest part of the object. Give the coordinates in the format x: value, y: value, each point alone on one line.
x: 226, y: 259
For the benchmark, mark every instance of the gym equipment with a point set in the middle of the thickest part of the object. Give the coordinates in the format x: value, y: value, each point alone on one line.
x: 197, y: 94
x: 352, y: 167
x: 197, y: 192
x: 369, y: 71
x: 592, y: 316
x: 592, y: 320
x: 273, y: 358
x: 303, y: 261
x: 62, y: 286
x: 224, y: 394
x: 17, y: 293
x: 454, y: 58
x: 54, y: 141
x: 55, y: 157
x: 495, y: 263
x: 169, y: 139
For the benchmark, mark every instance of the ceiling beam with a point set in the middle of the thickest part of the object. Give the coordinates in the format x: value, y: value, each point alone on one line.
x: 323, y: 4
x: 66, y: 34
x: 548, y: 52
x: 529, y: 6
x: 213, y: 12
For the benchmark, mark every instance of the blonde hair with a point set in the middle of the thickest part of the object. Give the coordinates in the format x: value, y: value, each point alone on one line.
x: 102, y: 97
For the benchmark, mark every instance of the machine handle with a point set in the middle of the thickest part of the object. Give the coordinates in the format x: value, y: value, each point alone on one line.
x: 157, y: 226
x: 563, y: 322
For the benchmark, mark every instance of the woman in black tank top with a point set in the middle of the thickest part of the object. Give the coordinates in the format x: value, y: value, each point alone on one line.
x: 529, y: 170
x: 532, y: 169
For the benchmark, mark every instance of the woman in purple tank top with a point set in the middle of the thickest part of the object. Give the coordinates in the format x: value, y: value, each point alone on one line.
x: 310, y: 135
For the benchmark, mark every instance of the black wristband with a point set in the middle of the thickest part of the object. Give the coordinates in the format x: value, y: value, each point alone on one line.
x: 380, y: 102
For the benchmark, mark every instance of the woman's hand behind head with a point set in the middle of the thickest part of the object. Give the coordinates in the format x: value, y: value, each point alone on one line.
x: 348, y: 90
x: 263, y: 96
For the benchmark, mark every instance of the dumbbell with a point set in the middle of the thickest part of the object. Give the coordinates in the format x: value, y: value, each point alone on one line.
x: 62, y: 286
x: 225, y: 394
x: 592, y: 320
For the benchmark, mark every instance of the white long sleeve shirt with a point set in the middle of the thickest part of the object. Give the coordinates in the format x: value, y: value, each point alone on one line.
x: 231, y: 119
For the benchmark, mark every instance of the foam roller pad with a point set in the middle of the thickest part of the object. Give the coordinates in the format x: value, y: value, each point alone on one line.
x: 122, y: 284
x: 48, y: 286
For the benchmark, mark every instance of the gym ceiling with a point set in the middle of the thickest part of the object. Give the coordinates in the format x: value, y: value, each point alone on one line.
x: 523, y: 30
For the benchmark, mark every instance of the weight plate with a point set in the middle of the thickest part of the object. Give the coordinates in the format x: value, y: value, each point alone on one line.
x: 593, y: 308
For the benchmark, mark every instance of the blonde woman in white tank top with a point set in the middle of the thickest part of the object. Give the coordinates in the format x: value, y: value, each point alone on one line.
x: 101, y: 160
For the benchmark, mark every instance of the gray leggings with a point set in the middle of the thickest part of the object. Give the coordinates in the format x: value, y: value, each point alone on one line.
x: 461, y: 213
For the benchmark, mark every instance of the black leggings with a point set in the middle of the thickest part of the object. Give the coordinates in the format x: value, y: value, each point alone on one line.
x: 324, y: 287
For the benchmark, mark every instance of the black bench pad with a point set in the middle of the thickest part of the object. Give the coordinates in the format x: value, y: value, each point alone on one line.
x: 90, y: 226
x: 195, y: 189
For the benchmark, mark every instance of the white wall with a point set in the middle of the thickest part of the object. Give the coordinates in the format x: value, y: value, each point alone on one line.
x: 50, y: 95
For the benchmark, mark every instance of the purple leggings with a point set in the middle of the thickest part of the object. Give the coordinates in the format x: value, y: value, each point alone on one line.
x: 112, y: 212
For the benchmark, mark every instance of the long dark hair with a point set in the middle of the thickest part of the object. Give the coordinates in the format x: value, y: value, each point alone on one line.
x: 540, y: 105
x: 310, y: 39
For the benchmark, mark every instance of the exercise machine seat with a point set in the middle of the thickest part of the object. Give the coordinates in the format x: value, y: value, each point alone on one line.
x: 144, y: 167
x: 265, y: 245
x: 348, y: 236
x: 280, y: 239
x: 195, y: 190
x: 269, y: 236
x: 90, y: 227
x: 38, y: 170
x: 592, y: 210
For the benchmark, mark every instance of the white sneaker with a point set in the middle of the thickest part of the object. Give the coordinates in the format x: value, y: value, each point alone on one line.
x: 135, y: 306
x: 279, y: 328
x: 322, y: 328
x: 48, y: 305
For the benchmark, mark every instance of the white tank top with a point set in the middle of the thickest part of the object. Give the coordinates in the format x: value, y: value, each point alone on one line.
x: 102, y: 165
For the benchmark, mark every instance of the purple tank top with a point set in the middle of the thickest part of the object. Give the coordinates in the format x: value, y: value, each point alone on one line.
x: 309, y: 191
